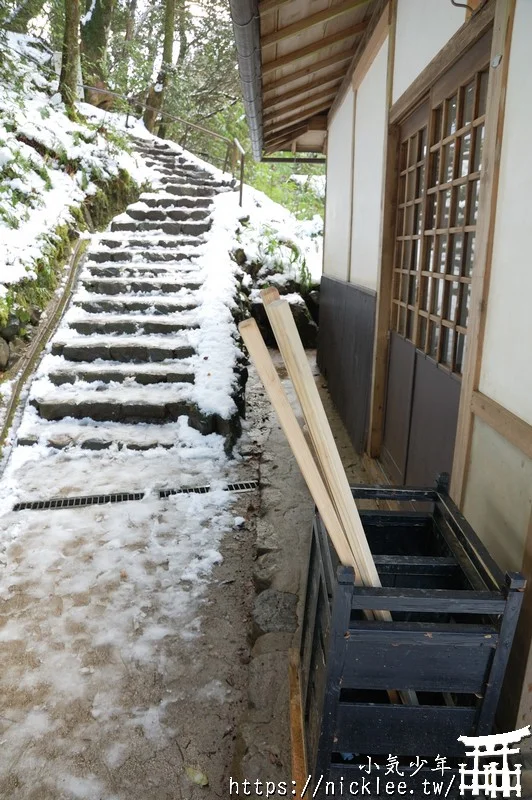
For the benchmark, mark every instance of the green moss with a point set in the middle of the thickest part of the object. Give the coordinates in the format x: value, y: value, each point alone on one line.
x: 27, y: 296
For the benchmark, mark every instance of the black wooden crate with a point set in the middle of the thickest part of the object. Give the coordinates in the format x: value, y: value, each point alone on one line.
x: 454, y: 616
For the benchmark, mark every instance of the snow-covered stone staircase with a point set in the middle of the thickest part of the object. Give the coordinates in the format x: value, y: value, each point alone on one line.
x: 122, y: 367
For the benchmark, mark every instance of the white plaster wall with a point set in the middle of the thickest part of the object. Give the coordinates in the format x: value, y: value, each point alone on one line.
x: 506, y: 374
x: 423, y: 28
x: 499, y: 495
x: 338, y: 199
x: 370, y: 133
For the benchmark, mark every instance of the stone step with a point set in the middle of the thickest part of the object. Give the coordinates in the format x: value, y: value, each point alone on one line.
x: 164, y: 214
x: 189, y: 190
x: 153, y: 305
x: 141, y: 411
x: 138, y: 249
x: 122, y: 351
x: 186, y: 180
x: 139, y: 286
x: 142, y: 374
x: 60, y: 435
x: 174, y: 228
x: 169, y: 201
x: 133, y: 325
x: 135, y: 269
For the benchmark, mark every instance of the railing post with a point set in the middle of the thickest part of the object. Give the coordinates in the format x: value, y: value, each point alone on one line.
x: 242, y: 160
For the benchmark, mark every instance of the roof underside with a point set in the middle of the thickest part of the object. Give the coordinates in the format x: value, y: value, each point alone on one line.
x: 294, y: 56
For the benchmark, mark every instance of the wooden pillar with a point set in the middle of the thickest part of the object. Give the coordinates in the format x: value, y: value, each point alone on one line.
x: 489, y: 184
x: 385, y: 275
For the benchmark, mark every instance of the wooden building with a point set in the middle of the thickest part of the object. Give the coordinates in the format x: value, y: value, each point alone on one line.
x: 424, y: 111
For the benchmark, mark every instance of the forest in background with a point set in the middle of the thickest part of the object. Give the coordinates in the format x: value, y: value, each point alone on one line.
x: 174, y: 56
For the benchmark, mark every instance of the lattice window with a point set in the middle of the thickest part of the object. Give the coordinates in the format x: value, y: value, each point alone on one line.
x: 438, y: 193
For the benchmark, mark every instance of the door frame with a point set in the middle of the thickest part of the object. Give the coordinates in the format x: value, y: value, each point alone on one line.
x: 455, y: 49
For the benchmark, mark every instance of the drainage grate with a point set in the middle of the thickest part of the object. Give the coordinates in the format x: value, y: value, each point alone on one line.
x: 124, y: 497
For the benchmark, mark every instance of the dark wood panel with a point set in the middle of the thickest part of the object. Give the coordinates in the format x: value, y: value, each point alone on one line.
x: 360, y: 729
x: 439, y: 663
x: 398, y: 407
x: 345, y: 352
x: 435, y: 402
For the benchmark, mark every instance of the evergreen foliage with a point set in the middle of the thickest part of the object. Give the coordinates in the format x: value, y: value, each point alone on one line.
x: 176, y: 56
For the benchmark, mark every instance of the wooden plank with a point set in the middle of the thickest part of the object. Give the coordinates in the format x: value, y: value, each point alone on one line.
x: 511, y: 427
x: 332, y: 12
x: 333, y: 77
x: 271, y: 5
x: 310, y: 50
x: 296, y: 117
x: 313, y: 124
x: 439, y: 663
x: 433, y: 601
x: 301, y: 104
x: 437, y: 727
x: 284, y: 138
x: 489, y: 185
x: 366, y: 51
x: 270, y: 379
x: 295, y: 359
x: 297, y: 739
x: 462, y: 40
x: 305, y: 72
x: 384, y: 296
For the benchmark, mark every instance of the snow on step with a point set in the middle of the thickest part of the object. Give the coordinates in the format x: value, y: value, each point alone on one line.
x: 162, y: 200
x: 171, y: 284
x: 87, y: 435
x: 143, y: 212
x: 125, y: 223
x: 153, y: 304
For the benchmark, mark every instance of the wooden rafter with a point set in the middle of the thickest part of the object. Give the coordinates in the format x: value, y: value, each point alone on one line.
x: 309, y: 22
x: 288, y: 134
x: 285, y: 123
x: 271, y: 5
x: 335, y: 77
x: 367, y: 48
x: 312, y: 49
x: 284, y: 141
x: 327, y: 94
x: 318, y: 123
x: 305, y: 72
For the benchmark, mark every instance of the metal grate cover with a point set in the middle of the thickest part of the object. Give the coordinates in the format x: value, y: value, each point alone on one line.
x: 124, y: 497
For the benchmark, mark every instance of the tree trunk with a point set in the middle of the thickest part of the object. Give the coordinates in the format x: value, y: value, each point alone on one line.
x: 156, y: 93
x: 68, y: 81
x: 22, y: 15
x: 130, y: 24
x: 94, y: 35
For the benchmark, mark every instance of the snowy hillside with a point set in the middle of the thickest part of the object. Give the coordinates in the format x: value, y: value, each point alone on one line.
x: 48, y: 164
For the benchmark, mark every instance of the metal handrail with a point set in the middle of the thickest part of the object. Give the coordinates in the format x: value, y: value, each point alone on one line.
x: 233, y: 145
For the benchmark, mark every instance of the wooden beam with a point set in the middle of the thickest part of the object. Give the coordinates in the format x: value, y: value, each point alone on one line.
x: 311, y: 49
x: 335, y: 77
x: 480, y: 280
x: 305, y: 72
x: 366, y: 51
x: 301, y: 104
x: 385, y: 268
x: 280, y: 142
x: 271, y: 5
x: 511, y: 427
x: 310, y: 22
x: 466, y: 36
x: 297, y: 117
